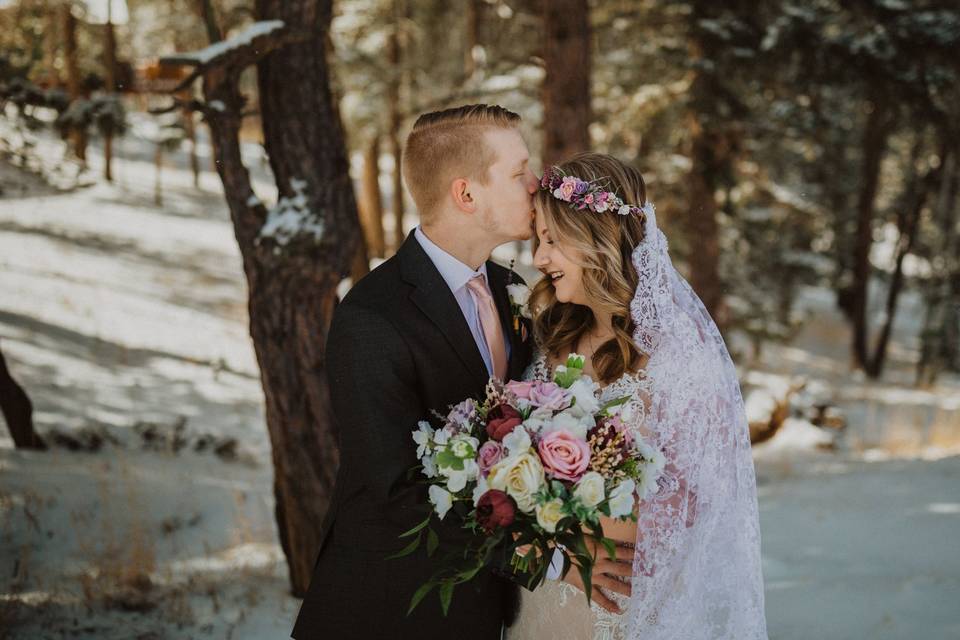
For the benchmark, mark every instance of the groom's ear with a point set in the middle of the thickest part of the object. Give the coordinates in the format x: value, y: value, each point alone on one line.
x: 462, y: 197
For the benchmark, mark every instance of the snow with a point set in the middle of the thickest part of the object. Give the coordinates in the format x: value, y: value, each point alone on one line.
x: 242, y: 39
x: 292, y: 217
x: 127, y: 322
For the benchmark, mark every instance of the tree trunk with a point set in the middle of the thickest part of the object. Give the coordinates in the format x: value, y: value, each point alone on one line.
x: 77, y: 135
x: 939, y: 338
x: 701, y: 226
x: 875, y: 136
x: 393, y: 130
x: 293, y: 286
x: 371, y: 204
x: 566, y: 85
x: 110, y: 65
x: 17, y: 411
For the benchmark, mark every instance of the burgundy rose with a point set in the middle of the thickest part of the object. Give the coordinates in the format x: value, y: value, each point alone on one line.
x: 501, y: 420
x: 495, y: 509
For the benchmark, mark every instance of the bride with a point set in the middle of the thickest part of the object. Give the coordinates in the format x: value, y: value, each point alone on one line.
x: 610, y: 292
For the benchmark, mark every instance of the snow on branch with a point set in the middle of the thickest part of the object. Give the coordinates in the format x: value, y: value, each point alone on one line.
x: 237, y: 52
x: 217, y: 49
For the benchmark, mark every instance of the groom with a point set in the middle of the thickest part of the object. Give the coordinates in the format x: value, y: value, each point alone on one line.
x: 424, y: 330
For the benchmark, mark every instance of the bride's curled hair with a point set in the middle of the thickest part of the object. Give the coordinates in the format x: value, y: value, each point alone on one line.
x: 603, y: 243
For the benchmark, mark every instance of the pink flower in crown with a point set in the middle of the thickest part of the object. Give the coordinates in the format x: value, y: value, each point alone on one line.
x: 588, y: 199
x: 567, y: 188
x: 600, y: 204
x: 549, y: 395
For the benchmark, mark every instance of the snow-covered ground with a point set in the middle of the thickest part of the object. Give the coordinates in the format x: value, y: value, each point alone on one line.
x: 152, y: 516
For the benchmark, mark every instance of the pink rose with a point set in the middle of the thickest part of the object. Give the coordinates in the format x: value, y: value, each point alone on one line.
x: 564, y: 456
x: 491, y: 452
x: 548, y: 395
x: 567, y: 187
x: 588, y: 198
x: 519, y: 389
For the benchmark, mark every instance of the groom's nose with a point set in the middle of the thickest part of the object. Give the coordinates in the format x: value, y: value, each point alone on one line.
x: 532, y: 182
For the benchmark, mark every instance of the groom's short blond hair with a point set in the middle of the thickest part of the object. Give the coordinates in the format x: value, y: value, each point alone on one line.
x: 449, y: 144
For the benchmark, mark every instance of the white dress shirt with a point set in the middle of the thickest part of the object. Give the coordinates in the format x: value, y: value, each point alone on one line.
x: 456, y: 274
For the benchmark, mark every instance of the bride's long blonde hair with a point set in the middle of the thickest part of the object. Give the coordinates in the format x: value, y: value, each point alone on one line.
x: 604, y: 243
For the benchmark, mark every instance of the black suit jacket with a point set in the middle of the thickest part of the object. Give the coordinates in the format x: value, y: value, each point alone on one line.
x: 399, y: 348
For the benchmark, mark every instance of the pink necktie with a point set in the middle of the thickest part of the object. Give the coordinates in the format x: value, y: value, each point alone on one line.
x: 490, y: 322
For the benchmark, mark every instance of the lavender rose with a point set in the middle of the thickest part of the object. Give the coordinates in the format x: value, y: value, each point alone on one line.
x: 491, y: 452
x: 549, y: 395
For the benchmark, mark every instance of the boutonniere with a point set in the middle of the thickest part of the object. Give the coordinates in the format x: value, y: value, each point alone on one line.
x: 519, y: 295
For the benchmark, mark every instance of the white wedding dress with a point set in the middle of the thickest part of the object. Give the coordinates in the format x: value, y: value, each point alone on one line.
x: 696, y: 568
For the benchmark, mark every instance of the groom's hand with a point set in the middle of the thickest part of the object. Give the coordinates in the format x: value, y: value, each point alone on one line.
x: 606, y: 574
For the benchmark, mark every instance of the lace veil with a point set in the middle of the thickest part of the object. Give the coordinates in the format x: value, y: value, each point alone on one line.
x: 697, y: 570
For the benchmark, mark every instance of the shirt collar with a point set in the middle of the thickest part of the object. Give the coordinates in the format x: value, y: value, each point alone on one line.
x: 455, y: 273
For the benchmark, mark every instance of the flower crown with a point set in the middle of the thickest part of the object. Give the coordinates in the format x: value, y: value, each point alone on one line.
x: 584, y: 194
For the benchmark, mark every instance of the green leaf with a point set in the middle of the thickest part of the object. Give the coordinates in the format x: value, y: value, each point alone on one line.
x: 433, y: 541
x: 616, y: 402
x: 446, y: 594
x: 407, y: 550
x: 419, y: 595
x: 611, y: 547
x: 586, y: 571
x: 416, y: 528
x: 448, y: 460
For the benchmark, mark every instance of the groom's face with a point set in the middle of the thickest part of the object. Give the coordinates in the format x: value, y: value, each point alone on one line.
x: 506, y: 200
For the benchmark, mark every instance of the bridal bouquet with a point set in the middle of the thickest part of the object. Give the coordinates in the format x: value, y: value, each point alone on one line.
x: 531, y: 467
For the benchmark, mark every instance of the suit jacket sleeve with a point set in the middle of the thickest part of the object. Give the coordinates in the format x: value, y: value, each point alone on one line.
x: 372, y: 375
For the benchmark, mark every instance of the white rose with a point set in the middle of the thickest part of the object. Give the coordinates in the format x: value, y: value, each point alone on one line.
x: 590, y: 489
x: 517, y: 441
x: 519, y: 294
x: 549, y: 514
x: 441, y: 499
x: 520, y: 477
x: 584, y: 392
x: 621, y: 499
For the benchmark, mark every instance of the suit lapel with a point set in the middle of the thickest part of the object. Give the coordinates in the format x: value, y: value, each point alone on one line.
x: 434, y: 298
